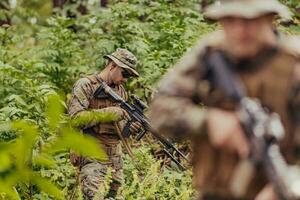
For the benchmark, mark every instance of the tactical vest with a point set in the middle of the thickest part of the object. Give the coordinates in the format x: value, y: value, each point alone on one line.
x: 106, y: 132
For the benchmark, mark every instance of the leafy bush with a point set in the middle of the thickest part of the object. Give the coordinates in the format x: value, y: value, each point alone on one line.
x: 144, y: 179
x: 39, y: 58
x: 43, y: 55
x: 28, y: 159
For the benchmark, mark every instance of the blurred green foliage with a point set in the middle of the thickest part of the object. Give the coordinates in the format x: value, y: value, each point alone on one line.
x: 42, y: 55
x: 28, y: 158
x: 294, y: 6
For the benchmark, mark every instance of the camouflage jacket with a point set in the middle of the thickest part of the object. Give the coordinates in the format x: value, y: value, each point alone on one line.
x: 176, y: 109
x: 83, y: 100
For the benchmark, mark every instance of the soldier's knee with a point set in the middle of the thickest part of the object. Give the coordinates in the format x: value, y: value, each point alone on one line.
x: 92, y: 179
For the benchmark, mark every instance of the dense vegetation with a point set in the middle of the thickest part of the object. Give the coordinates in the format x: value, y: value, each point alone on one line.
x: 42, y: 54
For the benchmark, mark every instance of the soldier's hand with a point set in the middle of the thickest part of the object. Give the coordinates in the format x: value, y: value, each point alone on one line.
x: 119, y: 112
x: 135, y: 127
x: 224, y: 131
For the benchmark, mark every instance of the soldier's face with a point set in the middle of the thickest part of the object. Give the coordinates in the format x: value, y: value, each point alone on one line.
x: 116, y: 75
x: 246, y: 37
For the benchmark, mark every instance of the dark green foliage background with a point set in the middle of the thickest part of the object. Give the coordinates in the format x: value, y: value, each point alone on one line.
x: 43, y: 54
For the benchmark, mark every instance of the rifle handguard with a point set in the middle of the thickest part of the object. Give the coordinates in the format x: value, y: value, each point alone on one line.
x: 181, y: 167
x: 141, y: 135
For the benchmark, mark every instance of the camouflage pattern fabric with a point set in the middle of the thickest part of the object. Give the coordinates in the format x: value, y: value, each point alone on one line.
x: 92, y: 173
x: 177, y: 111
x: 124, y: 59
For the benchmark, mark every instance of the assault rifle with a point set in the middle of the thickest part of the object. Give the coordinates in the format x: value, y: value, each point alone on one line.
x: 262, y: 128
x: 135, y: 111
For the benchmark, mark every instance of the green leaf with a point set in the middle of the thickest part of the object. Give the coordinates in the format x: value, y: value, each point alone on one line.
x: 92, y: 117
x: 54, y: 111
x: 6, y: 126
x: 7, y: 186
x: 5, y: 146
x: 25, y: 143
x: 81, y: 144
x: 46, y: 186
x: 9, y: 192
x: 17, y: 98
x: 10, y: 111
x: 5, y: 161
x: 44, y: 160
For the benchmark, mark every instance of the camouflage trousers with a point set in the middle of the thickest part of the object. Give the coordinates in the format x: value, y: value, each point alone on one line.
x: 93, y: 173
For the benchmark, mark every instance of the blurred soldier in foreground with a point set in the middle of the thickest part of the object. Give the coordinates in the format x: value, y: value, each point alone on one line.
x: 267, y: 65
x: 120, y: 66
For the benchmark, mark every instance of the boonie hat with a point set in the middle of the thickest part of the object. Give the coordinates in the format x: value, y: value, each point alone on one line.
x: 124, y: 59
x: 246, y: 9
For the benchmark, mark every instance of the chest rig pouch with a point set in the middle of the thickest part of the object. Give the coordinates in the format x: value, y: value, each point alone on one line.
x: 100, y: 100
x: 100, y: 93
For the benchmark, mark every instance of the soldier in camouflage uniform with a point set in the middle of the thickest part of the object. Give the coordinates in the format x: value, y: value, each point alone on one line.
x: 121, y: 65
x: 268, y: 65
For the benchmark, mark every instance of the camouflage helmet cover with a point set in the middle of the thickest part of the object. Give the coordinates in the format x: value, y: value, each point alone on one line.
x: 246, y: 9
x: 124, y: 59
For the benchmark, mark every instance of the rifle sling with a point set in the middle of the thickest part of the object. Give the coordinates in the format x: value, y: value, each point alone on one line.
x: 124, y: 141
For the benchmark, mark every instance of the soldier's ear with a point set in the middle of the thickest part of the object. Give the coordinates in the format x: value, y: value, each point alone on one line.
x: 111, y: 65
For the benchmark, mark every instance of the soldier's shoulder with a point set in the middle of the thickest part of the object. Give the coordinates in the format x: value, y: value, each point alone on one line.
x: 84, y: 81
x: 290, y: 44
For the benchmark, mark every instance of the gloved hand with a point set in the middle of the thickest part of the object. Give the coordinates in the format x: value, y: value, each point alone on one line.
x: 135, y: 127
x: 119, y: 112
